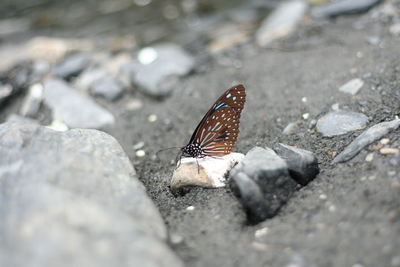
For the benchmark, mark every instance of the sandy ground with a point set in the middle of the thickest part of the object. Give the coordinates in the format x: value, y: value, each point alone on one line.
x: 348, y: 215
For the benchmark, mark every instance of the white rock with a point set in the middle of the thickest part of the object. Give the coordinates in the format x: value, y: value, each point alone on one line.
x: 206, y: 172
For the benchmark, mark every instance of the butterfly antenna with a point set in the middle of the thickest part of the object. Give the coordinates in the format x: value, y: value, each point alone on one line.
x: 175, y: 147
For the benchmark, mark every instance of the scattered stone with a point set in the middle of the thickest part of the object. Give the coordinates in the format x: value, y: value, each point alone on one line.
x: 18, y: 118
x: 342, y: 7
x: 335, y: 107
x: 291, y: 128
x: 352, y: 86
x: 282, y: 22
x: 341, y: 122
x: 369, y: 157
x: 373, y: 40
x: 138, y: 145
x: 389, y: 150
x: 6, y: 90
x: 73, y: 108
x: 32, y: 101
x: 261, y: 232
x: 140, y: 153
x: 302, y: 164
x: 262, y: 183
x: 87, y: 78
x: 384, y: 141
x: 158, y: 63
x: 190, y: 208
x: 152, y: 118
x: 306, y: 116
x: 395, y: 29
x: 367, y: 137
x: 72, y: 65
x: 134, y: 104
x: 205, y: 172
x: 107, y: 87
x: 75, y: 193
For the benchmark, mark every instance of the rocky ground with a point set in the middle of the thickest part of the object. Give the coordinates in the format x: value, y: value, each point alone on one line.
x: 318, y: 86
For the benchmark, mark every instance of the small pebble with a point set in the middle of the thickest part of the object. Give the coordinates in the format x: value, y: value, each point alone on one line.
x: 58, y: 125
x: 190, y: 208
x: 335, y: 107
x: 134, y: 104
x: 261, y: 232
x: 369, y: 157
x: 291, y: 128
x: 140, y: 153
x: 395, y: 29
x: 367, y: 137
x: 147, y: 55
x: 152, y: 118
x: 384, y: 141
x: 306, y: 116
x: 304, y: 100
x: 389, y: 150
x: 323, y: 196
x: 138, y: 145
x: 332, y: 208
x: 341, y: 122
x: 352, y: 86
x: 176, y: 239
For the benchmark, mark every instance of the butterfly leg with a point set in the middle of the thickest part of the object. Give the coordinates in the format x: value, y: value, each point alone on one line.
x: 198, y: 166
x: 178, y: 161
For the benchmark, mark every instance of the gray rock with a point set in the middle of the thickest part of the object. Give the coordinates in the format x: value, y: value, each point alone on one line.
x: 262, y: 183
x: 302, y: 164
x: 73, y: 108
x: 352, y: 87
x: 340, y: 7
x: 87, y: 78
x: 341, y: 122
x: 367, y: 137
x: 73, y: 199
x: 155, y: 64
x: 72, y: 65
x: 107, y: 87
x: 281, y: 22
x: 17, y: 118
x: 32, y: 101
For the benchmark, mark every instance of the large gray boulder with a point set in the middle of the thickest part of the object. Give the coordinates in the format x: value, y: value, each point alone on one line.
x: 73, y: 199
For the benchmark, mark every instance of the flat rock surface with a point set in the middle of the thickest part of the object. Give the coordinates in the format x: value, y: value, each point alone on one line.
x: 74, y: 193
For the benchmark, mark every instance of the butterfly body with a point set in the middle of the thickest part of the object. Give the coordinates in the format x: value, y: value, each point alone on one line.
x: 217, y: 132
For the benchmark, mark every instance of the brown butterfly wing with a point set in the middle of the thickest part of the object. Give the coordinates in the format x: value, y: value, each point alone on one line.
x: 218, y: 130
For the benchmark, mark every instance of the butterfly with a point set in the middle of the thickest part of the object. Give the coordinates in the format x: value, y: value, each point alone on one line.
x: 217, y: 132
